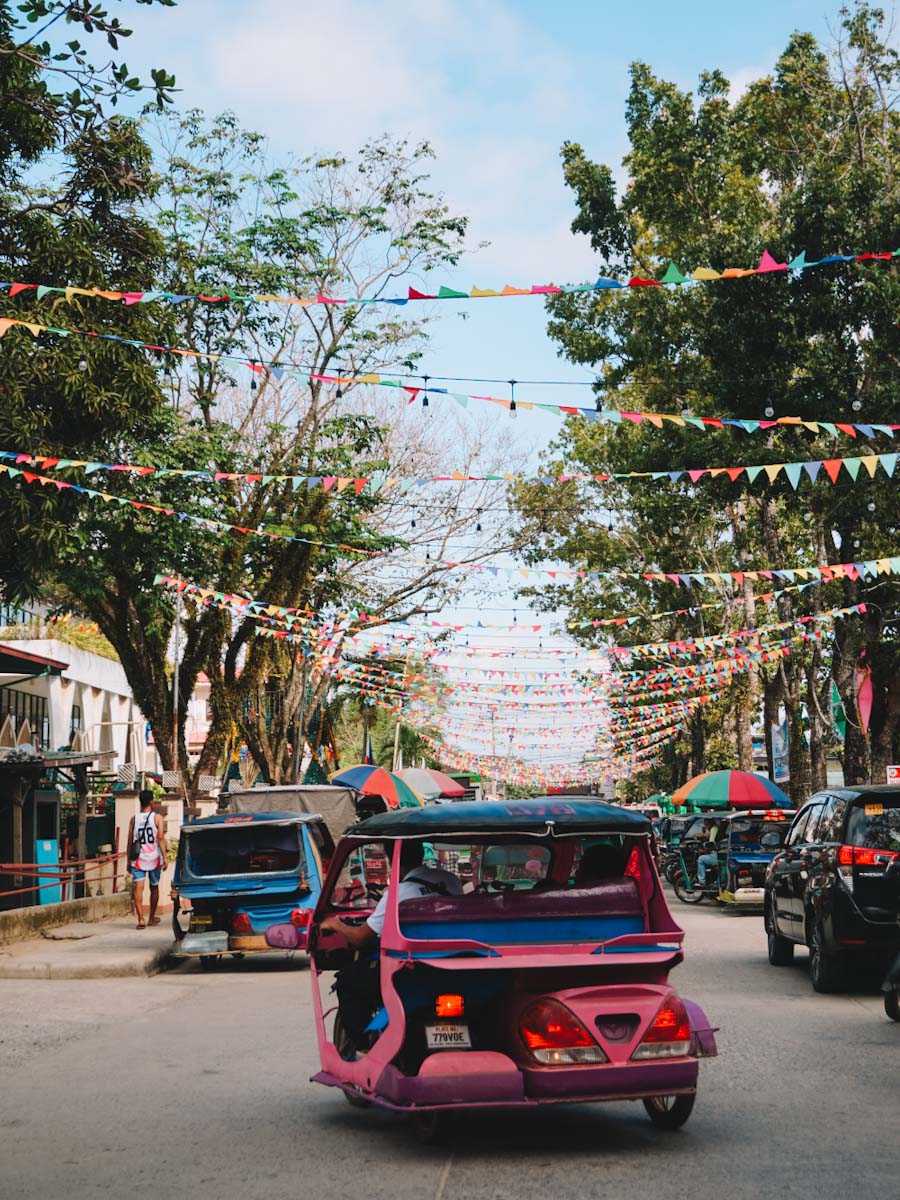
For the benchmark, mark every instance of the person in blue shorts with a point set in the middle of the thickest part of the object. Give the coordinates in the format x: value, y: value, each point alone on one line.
x: 148, y: 832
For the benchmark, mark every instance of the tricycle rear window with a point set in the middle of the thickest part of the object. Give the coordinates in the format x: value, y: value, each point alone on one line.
x: 246, y: 849
x: 749, y: 834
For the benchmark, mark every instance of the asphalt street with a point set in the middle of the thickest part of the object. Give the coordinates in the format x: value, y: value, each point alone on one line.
x: 196, y: 1085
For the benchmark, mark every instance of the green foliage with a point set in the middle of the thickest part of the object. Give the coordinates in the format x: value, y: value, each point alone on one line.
x: 807, y: 158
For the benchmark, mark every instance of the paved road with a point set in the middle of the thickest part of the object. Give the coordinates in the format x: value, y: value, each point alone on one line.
x: 195, y: 1085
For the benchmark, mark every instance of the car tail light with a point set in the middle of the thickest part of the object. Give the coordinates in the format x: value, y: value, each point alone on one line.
x: 301, y: 917
x: 556, y: 1037
x: 670, y: 1034
x: 449, y: 1006
x: 241, y: 923
x: 849, y: 857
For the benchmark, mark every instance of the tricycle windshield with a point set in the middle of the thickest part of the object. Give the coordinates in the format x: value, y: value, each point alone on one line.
x: 245, y: 849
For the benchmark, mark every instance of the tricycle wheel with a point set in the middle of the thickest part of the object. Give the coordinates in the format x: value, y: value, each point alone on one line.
x: 356, y: 1101
x: 237, y: 955
x: 684, y: 894
x: 892, y: 1004
x: 208, y: 961
x: 428, y: 1127
x: 669, y: 1112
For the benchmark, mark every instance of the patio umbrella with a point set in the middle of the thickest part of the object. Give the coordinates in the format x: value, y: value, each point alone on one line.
x: 376, y: 781
x: 731, y: 789
x: 431, y: 783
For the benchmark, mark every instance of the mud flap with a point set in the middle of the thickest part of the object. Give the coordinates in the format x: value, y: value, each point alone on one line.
x: 703, y: 1035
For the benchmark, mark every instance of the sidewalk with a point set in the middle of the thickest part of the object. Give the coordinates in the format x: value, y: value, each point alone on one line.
x: 89, y: 950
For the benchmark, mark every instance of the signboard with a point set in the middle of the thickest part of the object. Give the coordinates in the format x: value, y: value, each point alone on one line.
x: 781, y: 769
x: 893, y: 775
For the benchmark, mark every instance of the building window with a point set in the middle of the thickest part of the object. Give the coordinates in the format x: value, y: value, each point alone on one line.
x: 21, y: 707
x: 75, y: 721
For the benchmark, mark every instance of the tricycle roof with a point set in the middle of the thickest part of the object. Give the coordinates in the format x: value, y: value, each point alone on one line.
x: 541, y: 815
x: 261, y: 818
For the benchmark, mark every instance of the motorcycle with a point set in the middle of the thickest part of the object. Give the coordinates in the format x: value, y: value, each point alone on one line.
x: 685, y: 880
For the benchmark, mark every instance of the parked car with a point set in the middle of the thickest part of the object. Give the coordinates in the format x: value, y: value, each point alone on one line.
x: 830, y: 889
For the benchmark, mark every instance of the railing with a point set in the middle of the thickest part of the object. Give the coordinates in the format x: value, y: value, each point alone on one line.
x: 65, y: 876
x: 13, y: 614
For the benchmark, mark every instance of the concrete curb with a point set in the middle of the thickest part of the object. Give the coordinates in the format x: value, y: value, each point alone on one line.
x: 21, y: 924
x: 113, y: 952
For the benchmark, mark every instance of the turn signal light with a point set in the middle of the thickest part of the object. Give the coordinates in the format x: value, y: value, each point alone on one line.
x: 301, y: 917
x: 670, y: 1034
x: 241, y: 924
x: 449, y: 1006
x: 556, y: 1037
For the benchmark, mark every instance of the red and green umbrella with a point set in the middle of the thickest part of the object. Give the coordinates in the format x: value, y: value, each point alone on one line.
x: 730, y: 789
x: 376, y: 781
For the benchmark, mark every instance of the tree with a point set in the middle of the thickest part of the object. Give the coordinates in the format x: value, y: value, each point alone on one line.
x: 71, y: 172
x: 808, y: 159
x: 249, y: 402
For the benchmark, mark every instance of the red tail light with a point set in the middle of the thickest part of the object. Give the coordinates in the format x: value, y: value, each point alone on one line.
x: 555, y: 1036
x: 301, y: 917
x: 449, y: 1005
x: 865, y: 856
x: 241, y: 924
x: 670, y: 1034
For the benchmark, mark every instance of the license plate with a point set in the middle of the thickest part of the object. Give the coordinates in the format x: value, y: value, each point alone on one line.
x: 201, y: 919
x: 448, y: 1037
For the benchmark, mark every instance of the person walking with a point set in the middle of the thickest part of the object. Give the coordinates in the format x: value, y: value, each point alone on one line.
x: 146, y: 833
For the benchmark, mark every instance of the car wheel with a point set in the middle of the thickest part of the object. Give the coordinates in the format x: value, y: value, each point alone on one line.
x: 825, y: 970
x: 686, y: 896
x: 892, y: 1004
x: 669, y: 1112
x: 781, y: 951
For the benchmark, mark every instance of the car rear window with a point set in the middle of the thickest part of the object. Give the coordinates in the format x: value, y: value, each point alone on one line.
x: 244, y: 850
x: 875, y: 823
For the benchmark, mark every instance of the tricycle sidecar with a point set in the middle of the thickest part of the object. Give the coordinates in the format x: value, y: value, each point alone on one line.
x: 542, y: 979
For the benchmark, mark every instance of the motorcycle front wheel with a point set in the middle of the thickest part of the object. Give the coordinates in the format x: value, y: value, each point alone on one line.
x: 892, y: 1005
x: 685, y: 894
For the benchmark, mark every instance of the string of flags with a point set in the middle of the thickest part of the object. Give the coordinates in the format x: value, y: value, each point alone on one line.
x: 611, y: 416
x: 383, y: 481
x: 673, y: 276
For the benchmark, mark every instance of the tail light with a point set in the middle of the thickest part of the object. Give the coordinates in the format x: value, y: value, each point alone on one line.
x: 849, y: 857
x: 301, y: 917
x: 449, y: 1006
x: 670, y: 1034
x: 556, y: 1037
x: 241, y: 924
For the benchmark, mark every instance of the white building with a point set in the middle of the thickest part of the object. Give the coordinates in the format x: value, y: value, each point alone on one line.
x: 61, y: 690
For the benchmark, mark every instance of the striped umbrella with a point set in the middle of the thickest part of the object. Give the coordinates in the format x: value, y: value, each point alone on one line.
x: 730, y: 789
x: 376, y: 781
x: 431, y: 783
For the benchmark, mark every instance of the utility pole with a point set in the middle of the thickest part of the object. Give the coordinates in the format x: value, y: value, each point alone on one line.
x: 400, y: 714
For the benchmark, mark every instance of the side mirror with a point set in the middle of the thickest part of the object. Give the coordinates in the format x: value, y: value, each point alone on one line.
x: 286, y: 937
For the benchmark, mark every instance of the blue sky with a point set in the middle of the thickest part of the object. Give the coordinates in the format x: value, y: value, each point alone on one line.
x: 496, y: 87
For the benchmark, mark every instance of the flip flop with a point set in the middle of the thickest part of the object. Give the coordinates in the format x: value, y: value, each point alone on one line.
x: 141, y: 926
x: 153, y: 921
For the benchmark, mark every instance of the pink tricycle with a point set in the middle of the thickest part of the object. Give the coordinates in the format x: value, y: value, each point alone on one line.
x: 523, y: 959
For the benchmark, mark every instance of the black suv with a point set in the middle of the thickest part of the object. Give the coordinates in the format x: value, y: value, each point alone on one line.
x: 828, y: 888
